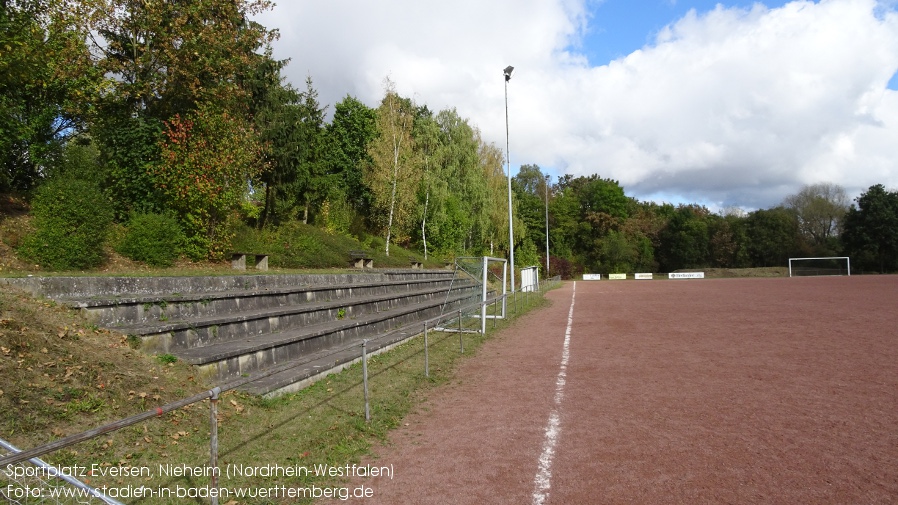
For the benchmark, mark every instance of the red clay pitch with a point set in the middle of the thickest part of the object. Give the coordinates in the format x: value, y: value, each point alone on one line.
x: 687, y: 391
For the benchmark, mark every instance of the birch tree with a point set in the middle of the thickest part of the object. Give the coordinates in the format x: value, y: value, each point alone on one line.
x: 427, y: 141
x: 394, y: 171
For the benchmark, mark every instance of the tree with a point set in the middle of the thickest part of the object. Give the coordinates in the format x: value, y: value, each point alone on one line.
x: 46, y: 79
x: 312, y: 179
x: 210, y: 160
x: 727, y: 244
x: 773, y: 236
x: 871, y: 228
x: 461, y: 189
x: 820, y: 209
x: 393, y: 172
x: 427, y: 141
x: 529, y: 187
x: 163, y: 60
x: 276, y: 118
x: 685, y: 239
x: 352, y: 128
x: 71, y: 217
x: 166, y: 58
x: 495, y: 213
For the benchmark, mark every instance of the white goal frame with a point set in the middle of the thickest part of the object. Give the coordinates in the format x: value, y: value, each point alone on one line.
x: 484, y: 274
x: 846, y: 258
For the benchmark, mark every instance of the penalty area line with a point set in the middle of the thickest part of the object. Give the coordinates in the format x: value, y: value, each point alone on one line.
x: 543, y: 479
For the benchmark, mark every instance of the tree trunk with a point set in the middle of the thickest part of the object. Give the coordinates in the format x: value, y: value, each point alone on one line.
x: 393, y: 192
x: 424, y: 222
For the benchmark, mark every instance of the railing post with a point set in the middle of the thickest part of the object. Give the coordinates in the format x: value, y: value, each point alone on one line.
x: 483, y: 299
x: 495, y: 311
x: 365, y: 378
x: 426, y: 358
x: 461, y: 336
x: 213, y: 443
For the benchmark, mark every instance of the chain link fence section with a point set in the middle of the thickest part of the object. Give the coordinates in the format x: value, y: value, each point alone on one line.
x: 36, y: 482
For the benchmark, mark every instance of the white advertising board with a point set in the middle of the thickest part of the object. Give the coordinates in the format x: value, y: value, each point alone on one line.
x: 642, y: 276
x: 687, y: 275
x: 617, y: 277
x: 592, y: 277
x: 530, y: 279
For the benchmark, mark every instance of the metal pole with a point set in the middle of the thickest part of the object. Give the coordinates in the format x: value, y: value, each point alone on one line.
x: 426, y: 358
x: 547, y: 226
x: 213, y: 443
x: 508, y: 160
x: 107, y: 428
x: 47, y: 468
x: 495, y: 311
x: 483, y: 300
x: 504, y: 293
x: 461, y: 336
x: 365, y: 378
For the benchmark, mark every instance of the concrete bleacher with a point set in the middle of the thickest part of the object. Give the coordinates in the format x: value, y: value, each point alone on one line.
x: 233, y: 326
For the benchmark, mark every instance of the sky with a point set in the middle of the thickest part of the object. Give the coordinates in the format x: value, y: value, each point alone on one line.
x: 724, y: 104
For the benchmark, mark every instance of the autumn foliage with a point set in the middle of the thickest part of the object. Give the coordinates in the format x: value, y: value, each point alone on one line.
x: 210, y: 163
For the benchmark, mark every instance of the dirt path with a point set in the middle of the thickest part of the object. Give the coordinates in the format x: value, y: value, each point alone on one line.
x: 714, y: 391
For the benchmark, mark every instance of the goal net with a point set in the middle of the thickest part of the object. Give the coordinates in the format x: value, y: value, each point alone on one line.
x: 832, y: 265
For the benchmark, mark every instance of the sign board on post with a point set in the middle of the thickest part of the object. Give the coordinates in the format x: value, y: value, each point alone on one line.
x: 617, y: 277
x: 643, y: 276
x: 686, y: 275
x: 592, y: 277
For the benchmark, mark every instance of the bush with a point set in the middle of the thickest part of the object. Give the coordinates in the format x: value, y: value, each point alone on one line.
x: 154, y: 239
x: 71, y: 219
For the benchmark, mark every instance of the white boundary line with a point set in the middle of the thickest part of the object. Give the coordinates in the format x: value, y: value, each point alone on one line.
x: 543, y: 480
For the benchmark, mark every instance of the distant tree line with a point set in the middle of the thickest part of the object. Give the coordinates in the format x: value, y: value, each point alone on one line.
x: 594, y: 226
x: 176, y: 121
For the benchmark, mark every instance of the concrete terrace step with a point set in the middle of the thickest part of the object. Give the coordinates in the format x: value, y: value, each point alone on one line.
x: 121, y: 310
x: 90, y: 287
x: 227, y: 360
x: 230, y: 326
x: 299, y: 373
x: 171, y: 336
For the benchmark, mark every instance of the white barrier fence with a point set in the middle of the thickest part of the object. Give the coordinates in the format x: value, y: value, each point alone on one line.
x: 645, y: 276
x: 686, y: 275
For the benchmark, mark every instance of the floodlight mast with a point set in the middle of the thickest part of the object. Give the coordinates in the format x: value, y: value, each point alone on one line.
x: 547, y: 225
x: 509, y: 70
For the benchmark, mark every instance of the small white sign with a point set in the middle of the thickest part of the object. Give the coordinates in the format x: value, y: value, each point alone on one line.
x: 642, y: 276
x: 592, y: 277
x: 617, y: 277
x: 687, y: 275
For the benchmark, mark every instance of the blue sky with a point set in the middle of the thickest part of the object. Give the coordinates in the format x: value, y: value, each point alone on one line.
x: 736, y: 104
x: 619, y: 27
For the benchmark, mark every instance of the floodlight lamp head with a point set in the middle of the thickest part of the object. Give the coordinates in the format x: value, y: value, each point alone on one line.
x: 508, y: 71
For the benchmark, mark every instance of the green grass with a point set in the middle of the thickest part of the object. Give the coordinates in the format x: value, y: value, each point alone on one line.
x: 292, y: 248
x: 322, y: 424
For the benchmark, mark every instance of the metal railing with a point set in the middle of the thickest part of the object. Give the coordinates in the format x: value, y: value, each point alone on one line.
x: 37, y: 482
x: 457, y: 322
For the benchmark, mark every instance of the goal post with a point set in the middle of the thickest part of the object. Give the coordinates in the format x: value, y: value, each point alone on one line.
x: 486, y: 271
x: 829, y: 265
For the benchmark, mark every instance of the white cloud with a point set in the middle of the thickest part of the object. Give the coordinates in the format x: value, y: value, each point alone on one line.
x: 729, y: 107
